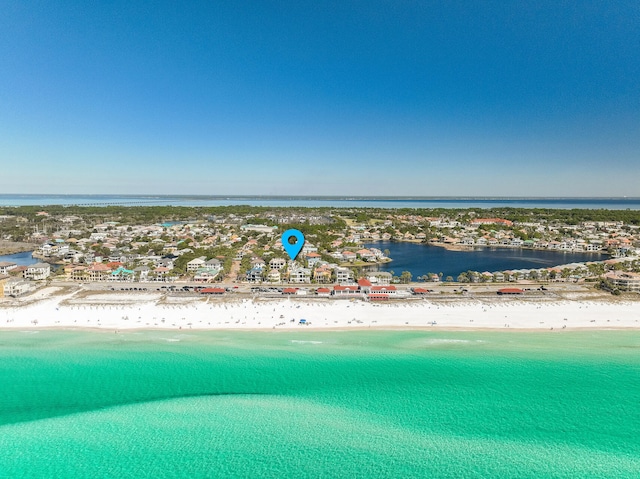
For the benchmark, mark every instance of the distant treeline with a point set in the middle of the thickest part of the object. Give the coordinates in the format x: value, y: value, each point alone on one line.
x: 154, y: 214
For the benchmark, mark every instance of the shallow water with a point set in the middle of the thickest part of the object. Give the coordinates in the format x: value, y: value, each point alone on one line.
x: 320, y: 404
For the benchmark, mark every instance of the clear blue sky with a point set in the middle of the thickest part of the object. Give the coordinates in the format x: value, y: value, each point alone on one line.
x: 537, y: 98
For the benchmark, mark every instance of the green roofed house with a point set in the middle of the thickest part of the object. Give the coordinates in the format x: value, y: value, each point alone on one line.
x: 122, y: 274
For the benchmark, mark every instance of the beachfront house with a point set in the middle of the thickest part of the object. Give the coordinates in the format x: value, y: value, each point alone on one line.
x: 205, y: 275
x: 322, y: 274
x: 195, y: 264
x: 254, y: 275
x: 274, y: 276
x: 122, y: 274
x: 142, y: 273
x: 98, y: 272
x: 17, y: 287
x: 344, y: 275
x: 624, y: 281
x: 208, y: 270
x: 6, y: 266
x: 38, y: 271
x: 300, y: 275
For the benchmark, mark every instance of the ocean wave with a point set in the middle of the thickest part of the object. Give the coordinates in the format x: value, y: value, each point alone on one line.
x: 298, y: 341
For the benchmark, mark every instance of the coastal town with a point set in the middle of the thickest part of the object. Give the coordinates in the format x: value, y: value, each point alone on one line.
x: 215, y: 251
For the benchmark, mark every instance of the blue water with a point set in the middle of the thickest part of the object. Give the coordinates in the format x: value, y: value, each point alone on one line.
x: 21, y: 259
x: 313, y: 202
x: 420, y: 259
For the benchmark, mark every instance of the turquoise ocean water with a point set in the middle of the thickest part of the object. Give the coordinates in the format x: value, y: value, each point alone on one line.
x: 320, y: 404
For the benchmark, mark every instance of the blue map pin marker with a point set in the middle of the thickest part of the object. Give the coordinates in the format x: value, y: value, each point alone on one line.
x: 293, y: 249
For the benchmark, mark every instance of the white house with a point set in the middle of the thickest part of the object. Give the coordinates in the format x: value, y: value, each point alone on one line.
x: 142, y: 272
x: 344, y: 275
x: 6, y: 266
x: 313, y: 259
x: 277, y: 263
x: 195, y: 264
x: 300, y: 275
x: 37, y: 271
x: 254, y: 275
x: 274, y: 276
x: 16, y: 287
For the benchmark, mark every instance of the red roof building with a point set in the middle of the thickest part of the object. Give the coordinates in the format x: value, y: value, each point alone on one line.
x: 343, y: 290
x: 510, y: 291
x: 383, y: 289
x: 99, y: 267
x: 212, y: 291
x: 378, y: 297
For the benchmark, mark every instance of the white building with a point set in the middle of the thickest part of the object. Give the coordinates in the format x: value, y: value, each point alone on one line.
x: 6, y: 266
x: 344, y: 275
x: 195, y: 264
x: 625, y: 281
x: 17, y: 287
x: 38, y: 271
x: 277, y: 263
x: 300, y: 275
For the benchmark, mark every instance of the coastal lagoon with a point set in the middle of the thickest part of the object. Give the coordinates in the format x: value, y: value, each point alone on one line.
x: 420, y: 259
x: 21, y: 259
x: 319, y: 404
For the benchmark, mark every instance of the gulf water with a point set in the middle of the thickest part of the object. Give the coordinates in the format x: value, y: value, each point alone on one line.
x: 319, y: 404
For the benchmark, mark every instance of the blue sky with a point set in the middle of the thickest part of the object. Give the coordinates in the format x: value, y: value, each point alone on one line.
x: 322, y: 98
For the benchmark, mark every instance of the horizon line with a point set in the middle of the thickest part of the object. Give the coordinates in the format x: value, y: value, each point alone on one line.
x: 331, y: 197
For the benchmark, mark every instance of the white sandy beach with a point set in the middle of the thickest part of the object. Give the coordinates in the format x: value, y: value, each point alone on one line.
x: 118, y: 311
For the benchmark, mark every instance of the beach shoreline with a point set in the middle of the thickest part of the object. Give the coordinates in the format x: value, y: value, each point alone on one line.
x: 68, y: 308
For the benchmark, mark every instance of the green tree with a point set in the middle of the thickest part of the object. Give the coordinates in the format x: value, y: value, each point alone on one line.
x: 405, y: 277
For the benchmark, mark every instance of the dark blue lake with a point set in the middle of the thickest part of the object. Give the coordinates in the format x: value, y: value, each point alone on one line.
x: 420, y: 259
x: 21, y: 259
